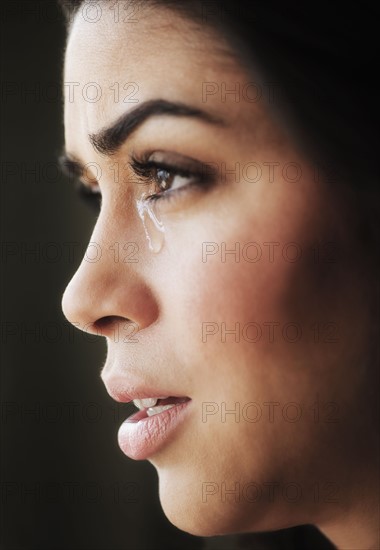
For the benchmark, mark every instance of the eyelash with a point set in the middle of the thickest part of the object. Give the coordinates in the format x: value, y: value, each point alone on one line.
x: 147, y: 171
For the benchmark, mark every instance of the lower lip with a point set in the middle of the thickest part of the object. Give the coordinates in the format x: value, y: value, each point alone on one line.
x: 142, y: 436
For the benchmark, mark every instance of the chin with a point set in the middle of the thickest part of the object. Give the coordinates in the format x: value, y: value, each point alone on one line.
x: 183, y: 506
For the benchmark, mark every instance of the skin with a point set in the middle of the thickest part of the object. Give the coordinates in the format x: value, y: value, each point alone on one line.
x: 170, y: 294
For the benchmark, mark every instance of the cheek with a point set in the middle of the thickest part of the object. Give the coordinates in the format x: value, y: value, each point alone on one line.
x: 235, y: 291
x: 249, y: 281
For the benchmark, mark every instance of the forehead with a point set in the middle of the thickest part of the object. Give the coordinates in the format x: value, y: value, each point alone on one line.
x: 110, y: 66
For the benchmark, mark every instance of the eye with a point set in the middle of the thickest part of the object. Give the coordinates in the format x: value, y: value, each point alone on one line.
x: 169, y: 177
x: 91, y: 195
x: 164, y: 178
x: 88, y: 191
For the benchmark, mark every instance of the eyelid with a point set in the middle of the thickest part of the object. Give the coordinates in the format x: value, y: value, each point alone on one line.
x: 92, y: 198
x: 182, y: 165
x: 198, y: 174
x: 90, y: 193
x: 90, y: 187
x: 74, y: 171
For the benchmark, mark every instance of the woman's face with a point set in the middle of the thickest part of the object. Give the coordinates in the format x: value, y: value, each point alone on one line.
x: 250, y: 303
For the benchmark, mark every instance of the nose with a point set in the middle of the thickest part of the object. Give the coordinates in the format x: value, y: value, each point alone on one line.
x: 107, y: 291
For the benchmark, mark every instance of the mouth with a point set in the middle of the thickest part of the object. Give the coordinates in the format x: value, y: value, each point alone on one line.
x: 156, y: 405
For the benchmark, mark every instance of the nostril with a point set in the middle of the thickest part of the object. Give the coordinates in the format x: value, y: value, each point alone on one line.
x: 115, y: 324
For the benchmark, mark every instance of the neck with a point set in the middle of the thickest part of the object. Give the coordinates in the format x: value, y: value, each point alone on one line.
x: 358, y: 528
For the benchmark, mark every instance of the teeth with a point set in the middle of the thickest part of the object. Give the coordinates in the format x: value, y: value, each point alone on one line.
x: 146, y: 403
x: 156, y: 410
x: 149, y: 402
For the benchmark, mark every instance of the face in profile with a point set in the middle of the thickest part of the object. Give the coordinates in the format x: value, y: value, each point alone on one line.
x: 227, y: 282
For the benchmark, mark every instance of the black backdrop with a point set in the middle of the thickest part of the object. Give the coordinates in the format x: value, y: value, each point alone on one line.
x: 64, y: 482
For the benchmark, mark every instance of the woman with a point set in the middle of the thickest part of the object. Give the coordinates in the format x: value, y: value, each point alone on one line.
x: 232, y: 265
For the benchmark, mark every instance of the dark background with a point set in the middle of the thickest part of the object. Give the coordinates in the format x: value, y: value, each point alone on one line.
x: 65, y: 484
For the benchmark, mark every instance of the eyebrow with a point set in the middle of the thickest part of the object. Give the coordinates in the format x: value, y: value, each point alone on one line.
x: 109, y: 140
